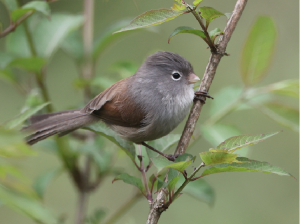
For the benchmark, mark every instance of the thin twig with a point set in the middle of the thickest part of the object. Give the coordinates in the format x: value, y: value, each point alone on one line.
x: 209, y: 75
x: 158, y: 206
x: 82, y: 206
x: 143, y: 172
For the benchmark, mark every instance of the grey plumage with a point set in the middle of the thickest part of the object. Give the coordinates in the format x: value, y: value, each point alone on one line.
x: 142, y: 107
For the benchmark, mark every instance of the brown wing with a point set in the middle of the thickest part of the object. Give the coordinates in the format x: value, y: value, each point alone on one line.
x: 114, y: 107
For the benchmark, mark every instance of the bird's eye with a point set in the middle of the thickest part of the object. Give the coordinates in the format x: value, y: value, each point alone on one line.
x: 176, y: 76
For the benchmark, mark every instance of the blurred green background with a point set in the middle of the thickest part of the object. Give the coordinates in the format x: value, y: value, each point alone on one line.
x: 240, y: 198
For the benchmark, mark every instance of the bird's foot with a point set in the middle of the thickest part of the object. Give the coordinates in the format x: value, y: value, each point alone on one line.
x: 200, y: 94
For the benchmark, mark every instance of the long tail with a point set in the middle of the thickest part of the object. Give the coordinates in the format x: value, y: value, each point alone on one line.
x: 63, y: 122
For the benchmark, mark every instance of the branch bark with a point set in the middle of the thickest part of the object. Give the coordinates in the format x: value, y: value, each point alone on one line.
x: 158, y: 206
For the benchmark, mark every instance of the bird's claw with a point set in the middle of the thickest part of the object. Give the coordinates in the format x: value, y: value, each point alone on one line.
x: 199, y: 94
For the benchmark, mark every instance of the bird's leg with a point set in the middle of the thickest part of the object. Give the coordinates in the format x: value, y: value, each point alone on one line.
x: 169, y: 157
x: 198, y: 95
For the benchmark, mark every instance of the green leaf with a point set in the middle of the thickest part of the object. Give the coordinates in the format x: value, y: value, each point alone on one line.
x: 48, y: 35
x: 186, y: 29
x: 33, y: 64
x: 172, y: 174
x: 160, y: 163
x: 180, y: 166
x: 197, y: 2
x: 211, y: 158
x: 39, y: 6
x: 24, y: 116
x: 214, y: 33
x: 10, y: 4
x: 73, y: 45
x: 105, y: 37
x: 27, y: 206
x: 172, y: 183
x: 162, y: 144
x: 7, y: 76
x: 285, y: 87
x: 12, y: 144
x: 18, y: 13
x: 228, y: 15
x: 17, y: 43
x: 151, y: 18
x: 96, y: 217
x: 246, y: 165
x: 237, y: 142
x: 258, y: 50
x: 131, y: 180
x: 126, y: 146
x: 41, y: 183
x: 198, y: 189
x: 5, y: 59
x: 282, y: 114
x: 209, y: 14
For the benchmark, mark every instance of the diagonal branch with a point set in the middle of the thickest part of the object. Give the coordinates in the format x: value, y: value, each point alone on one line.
x: 158, y: 206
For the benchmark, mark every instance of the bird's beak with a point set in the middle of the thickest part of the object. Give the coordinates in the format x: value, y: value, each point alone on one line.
x: 192, y: 78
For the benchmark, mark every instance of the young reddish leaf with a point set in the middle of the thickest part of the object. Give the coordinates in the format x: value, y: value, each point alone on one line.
x: 209, y: 14
x: 177, y: 7
x: 197, y: 2
x: 258, y: 50
x: 130, y: 180
x: 151, y: 18
x: 186, y: 29
x: 237, y: 142
x: 217, y: 157
x: 246, y: 165
x: 282, y: 114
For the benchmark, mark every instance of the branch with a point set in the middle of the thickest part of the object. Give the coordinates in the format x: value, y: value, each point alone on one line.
x: 209, y: 75
x: 158, y: 206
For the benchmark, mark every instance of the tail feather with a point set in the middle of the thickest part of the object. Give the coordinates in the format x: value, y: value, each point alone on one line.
x: 63, y: 122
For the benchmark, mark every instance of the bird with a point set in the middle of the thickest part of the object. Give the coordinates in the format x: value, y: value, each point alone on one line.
x: 143, y: 107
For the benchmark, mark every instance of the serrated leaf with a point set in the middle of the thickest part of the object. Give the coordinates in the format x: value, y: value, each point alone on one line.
x: 12, y: 144
x: 27, y: 206
x: 39, y: 6
x: 18, y: 13
x: 180, y: 166
x: 41, y: 183
x: 186, y: 29
x: 151, y: 18
x: 282, y: 114
x: 209, y: 14
x: 258, y: 50
x: 198, y: 189
x: 246, y: 165
x: 218, y: 157
x: 33, y: 64
x: 197, y: 2
x: 162, y: 144
x: 237, y: 142
x: 24, y: 116
x: 177, y: 7
x: 126, y: 146
x: 131, y: 180
x: 48, y: 35
x: 285, y: 87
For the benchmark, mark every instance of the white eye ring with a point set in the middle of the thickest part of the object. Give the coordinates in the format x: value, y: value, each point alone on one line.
x: 176, y: 75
